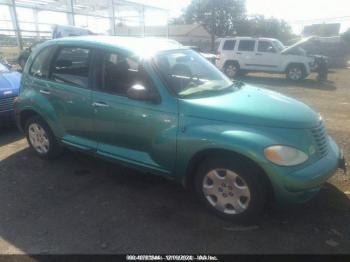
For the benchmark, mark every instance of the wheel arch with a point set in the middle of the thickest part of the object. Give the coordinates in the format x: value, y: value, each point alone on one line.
x: 231, y: 61
x: 296, y: 64
x: 24, y: 115
x: 200, y: 156
x: 27, y: 113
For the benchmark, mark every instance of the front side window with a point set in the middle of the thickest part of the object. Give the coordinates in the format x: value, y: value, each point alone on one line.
x: 266, y: 47
x: 188, y: 74
x: 41, y: 65
x: 246, y: 45
x: 118, y: 73
x: 229, y: 45
x: 71, y: 66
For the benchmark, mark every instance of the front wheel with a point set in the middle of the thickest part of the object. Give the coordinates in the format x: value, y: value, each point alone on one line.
x: 295, y: 72
x: 233, y: 190
x: 41, y: 139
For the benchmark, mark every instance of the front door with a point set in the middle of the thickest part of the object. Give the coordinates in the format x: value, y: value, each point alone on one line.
x: 266, y: 57
x: 141, y: 133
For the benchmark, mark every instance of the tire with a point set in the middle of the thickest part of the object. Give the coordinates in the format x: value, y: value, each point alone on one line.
x: 242, y: 195
x: 41, y: 139
x: 295, y: 72
x: 231, y: 69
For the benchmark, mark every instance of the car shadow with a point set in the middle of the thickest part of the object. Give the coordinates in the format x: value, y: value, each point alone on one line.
x: 81, y: 205
x: 9, y: 134
x: 271, y: 81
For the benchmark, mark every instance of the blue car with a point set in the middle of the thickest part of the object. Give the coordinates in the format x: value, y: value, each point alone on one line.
x: 9, y: 88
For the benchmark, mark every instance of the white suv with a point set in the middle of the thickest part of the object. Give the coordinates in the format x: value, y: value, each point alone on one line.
x: 240, y: 55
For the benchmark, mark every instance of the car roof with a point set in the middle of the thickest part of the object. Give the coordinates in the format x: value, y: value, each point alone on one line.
x: 143, y: 46
x: 248, y: 38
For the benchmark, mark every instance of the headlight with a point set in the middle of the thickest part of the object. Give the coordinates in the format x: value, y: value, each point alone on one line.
x: 285, y: 155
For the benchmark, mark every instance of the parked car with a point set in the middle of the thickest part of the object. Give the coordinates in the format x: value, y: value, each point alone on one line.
x: 246, y: 54
x: 159, y: 107
x: 9, y: 88
x: 24, y: 54
x: 58, y: 31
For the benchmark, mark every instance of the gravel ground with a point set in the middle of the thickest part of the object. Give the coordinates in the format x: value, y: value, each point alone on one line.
x: 81, y: 205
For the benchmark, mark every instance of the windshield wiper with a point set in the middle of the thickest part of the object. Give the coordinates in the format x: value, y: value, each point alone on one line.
x: 213, y: 90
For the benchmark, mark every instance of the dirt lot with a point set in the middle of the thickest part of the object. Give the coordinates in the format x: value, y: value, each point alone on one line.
x: 78, y: 204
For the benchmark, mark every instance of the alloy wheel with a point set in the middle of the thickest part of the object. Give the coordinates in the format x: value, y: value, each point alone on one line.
x: 231, y: 70
x: 39, y: 138
x: 226, y: 191
x: 295, y: 73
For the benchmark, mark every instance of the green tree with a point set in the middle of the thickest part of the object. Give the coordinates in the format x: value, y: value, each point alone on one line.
x: 259, y: 26
x: 220, y: 17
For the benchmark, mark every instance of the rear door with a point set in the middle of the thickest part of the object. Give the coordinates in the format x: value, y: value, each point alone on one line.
x: 70, y: 95
x: 246, y: 53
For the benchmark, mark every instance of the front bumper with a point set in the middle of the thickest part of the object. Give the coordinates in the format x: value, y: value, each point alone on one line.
x: 303, y: 184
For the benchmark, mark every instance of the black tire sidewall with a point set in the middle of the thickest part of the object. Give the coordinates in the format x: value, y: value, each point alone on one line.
x: 232, y: 64
x: 54, y: 148
x: 251, y: 175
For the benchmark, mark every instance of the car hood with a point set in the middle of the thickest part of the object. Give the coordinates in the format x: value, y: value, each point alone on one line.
x: 253, y: 106
x: 297, y: 44
x: 9, y: 83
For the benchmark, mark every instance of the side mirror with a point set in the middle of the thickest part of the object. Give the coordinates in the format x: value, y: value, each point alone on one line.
x: 139, y: 92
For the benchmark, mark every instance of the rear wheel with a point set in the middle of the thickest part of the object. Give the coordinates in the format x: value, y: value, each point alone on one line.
x: 231, y: 69
x: 295, y: 72
x: 233, y: 190
x: 41, y: 139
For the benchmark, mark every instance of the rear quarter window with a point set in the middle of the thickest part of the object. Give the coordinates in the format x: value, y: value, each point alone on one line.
x: 40, y: 67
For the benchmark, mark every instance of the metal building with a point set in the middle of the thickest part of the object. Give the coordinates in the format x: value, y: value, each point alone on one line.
x: 25, y: 21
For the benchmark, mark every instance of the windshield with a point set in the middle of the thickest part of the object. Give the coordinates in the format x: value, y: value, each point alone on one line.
x: 189, y: 74
x: 3, y: 69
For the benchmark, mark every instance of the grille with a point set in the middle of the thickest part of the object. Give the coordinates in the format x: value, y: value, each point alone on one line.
x: 319, y: 134
x: 6, y: 104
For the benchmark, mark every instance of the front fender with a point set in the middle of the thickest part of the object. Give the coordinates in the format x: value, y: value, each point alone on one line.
x: 206, y: 135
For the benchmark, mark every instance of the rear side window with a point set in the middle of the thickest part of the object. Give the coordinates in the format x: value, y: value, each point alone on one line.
x: 229, y: 45
x: 71, y: 66
x: 246, y: 45
x: 41, y: 66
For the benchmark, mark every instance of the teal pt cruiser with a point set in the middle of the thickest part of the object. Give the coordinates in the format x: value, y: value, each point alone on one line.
x: 155, y: 105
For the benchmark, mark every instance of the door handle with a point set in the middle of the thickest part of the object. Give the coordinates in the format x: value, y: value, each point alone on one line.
x: 100, y: 104
x: 259, y: 54
x: 238, y: 53
x: 45, y: 92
